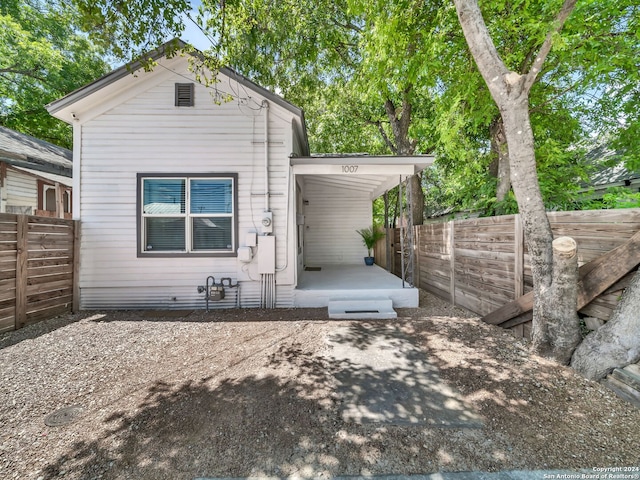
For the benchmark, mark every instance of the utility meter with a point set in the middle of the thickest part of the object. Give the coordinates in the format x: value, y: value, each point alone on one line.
x: 267, y: 222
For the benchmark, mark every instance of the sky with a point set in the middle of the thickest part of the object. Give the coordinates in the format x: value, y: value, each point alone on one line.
x: 192, y: 33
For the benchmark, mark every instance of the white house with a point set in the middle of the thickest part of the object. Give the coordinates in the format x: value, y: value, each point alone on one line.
x: 176, y: 182
x: 35, y: 176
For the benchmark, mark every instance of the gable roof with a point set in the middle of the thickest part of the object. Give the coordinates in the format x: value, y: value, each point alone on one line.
x: 609, y: 168
x: 167, y: 49
x: 32, y: 153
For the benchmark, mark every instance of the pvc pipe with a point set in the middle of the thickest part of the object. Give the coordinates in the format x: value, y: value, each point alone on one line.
x: 265, y: 105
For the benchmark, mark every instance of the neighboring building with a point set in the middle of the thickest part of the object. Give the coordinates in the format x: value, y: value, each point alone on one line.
x: 609, y: 171
x: 35, y: 176
x: 175, y: 181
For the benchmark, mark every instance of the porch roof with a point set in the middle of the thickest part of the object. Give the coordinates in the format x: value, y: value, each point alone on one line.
x: 369, y: 173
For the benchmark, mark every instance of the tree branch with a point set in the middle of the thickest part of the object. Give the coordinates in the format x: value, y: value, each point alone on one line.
x: 405, y: 119
x: 343, y: 52
x: 527, y: 59
x: 539, y: 107
x: 390, y: 108
x: 378, y: 124
x: 26, y: 73
x: 480, y: 43
x: 561, y: 18
x: 385, y: 137
x: 347, y: 25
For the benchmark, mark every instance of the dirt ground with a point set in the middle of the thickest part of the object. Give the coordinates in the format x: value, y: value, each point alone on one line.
x: 249, y: 392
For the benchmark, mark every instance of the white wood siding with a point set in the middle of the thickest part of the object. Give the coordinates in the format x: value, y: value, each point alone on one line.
x: 332, y: 217
x: 148, y: 134
x: 22, y: 191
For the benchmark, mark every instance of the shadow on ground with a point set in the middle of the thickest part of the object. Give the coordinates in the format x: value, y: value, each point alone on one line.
x: 295, y: 415
x: 384, y: 377
x: 222, y: 315
x: 35, y: 330
x: 287, y: 420
x: 191, y: 429
x: 547, y: 412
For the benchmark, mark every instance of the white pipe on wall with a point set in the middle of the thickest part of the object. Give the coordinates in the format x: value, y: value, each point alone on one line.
x: 265, y: 105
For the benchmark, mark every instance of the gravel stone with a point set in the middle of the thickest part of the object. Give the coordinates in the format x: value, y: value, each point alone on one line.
x: 250, y: 392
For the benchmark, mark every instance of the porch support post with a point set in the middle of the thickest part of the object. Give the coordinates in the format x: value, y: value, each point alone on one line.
x: 388, y: 241
x: 401, y: 231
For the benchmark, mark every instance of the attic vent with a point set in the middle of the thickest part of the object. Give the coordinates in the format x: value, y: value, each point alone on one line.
x: 184, y: 94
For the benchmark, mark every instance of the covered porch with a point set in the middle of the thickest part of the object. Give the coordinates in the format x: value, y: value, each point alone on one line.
x: 334, y: 196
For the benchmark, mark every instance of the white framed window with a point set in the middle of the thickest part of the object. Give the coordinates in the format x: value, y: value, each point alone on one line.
x: 193, y: 214
x: 49, y: 199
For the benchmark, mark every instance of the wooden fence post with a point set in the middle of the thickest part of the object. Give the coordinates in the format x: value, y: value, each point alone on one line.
x: 518, y: 250
x: 452, y: 262
x: 21, y: 270
x: 76, y: 267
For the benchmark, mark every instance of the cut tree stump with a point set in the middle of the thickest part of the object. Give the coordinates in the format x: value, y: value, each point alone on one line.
x: 595, y: 277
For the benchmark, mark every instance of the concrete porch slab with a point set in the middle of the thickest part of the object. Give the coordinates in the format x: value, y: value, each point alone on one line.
x: 344, y: 282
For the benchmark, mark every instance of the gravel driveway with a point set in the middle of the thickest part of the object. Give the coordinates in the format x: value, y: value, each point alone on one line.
x: 253, y: 392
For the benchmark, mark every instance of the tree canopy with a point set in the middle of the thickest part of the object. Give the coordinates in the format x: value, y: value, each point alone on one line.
x: 42, y: 57
x: 397, y: 77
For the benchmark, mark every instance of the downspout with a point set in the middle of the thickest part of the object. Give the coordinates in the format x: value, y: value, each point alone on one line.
x: 265, y: 105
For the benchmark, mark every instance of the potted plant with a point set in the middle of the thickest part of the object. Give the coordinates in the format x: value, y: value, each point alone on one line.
x: 370, y: 237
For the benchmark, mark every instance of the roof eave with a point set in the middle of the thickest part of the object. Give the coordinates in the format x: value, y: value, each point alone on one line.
x: 111, y: 77
x: 419, y: 161
x: 172, y: 46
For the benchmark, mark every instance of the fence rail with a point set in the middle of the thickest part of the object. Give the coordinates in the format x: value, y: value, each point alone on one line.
x: 483, y: 263
x: 37, y: 268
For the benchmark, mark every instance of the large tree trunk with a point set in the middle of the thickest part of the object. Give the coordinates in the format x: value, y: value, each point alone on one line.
x: 510, y: 91
x: 617, y: 343
x: 538, y: 234
x: 500, y: 149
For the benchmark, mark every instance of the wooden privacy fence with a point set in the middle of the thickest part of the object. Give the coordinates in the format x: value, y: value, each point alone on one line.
x: 481, y: 264
x: 37, y: 268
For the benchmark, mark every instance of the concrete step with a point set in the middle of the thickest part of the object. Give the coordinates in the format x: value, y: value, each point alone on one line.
x: 364, y: 308
x: 623, y: 390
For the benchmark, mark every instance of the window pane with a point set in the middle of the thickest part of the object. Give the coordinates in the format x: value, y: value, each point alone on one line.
x: 50, y: 199
x: 164, y: 196
x: 164, y: 234
x: 212, y: 233
x: 211, y: 196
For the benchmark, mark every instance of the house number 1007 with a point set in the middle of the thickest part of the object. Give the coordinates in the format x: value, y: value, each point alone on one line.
x: 349, y: 168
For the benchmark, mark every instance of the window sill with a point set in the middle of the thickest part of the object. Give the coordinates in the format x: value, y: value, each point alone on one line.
x: 186, y: 255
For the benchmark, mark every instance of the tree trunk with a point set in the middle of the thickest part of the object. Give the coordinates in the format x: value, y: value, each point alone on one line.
x: 417, y: 200
x: 538, y: 234
x: 510, y: 91
x: 501, y: 152
x: 564, y: 324
x: 400, y: 120
x: 617, y: 343
x: 386, y: 209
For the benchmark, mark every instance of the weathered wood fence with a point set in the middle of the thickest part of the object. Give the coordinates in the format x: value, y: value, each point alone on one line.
x: 37, y: 268
x: 481, y: 264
